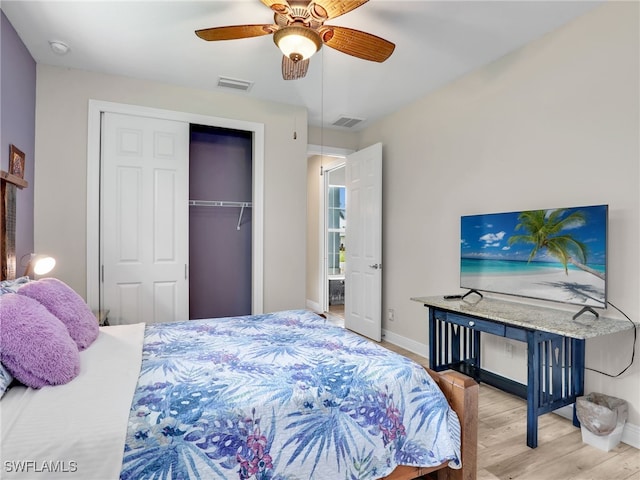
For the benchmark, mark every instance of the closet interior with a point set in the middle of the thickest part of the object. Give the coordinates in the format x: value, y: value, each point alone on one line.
x: 220, y: 221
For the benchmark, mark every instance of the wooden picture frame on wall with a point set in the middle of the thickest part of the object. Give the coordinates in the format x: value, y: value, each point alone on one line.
x: 16, y: 161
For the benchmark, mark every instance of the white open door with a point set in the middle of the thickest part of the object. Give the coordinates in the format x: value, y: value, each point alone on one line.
x: 363, y: 275
x: 145, y: 219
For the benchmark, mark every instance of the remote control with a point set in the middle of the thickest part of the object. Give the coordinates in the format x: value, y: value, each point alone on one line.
x: 452, y: 297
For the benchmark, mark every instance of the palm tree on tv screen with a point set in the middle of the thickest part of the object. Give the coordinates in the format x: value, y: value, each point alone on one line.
x: 545, y: 232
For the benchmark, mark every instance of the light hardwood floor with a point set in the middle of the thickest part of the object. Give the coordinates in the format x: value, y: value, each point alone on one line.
x: 561, y: 454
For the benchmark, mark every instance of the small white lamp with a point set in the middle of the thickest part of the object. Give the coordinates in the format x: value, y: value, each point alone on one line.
x: 39, y: 265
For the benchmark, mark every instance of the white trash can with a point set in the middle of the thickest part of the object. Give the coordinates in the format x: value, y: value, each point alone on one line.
x: 602, y: 419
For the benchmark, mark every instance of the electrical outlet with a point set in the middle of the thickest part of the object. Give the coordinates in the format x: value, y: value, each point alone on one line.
x: 391, y: 315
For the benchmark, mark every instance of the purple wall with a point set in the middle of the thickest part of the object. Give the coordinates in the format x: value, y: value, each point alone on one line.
x: 220, y: 168
x: 17, y: 125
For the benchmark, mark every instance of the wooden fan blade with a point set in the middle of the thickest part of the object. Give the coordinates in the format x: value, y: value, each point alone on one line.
x: 335, y: 8
x: 235, y: 32
x: 278, y: 6
x: 294, y: 70
x: 354, y: 42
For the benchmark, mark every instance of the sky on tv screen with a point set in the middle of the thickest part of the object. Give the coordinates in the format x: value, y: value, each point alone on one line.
x: 486, y: 236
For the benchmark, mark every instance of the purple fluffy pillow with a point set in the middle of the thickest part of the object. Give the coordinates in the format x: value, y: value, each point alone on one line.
x: 35, y: 346
x: 67, y: 305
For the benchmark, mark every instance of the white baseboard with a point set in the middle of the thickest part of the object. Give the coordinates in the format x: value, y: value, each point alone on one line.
x: 630, y: 434
x: 313, y: 306
x: 406, y: 343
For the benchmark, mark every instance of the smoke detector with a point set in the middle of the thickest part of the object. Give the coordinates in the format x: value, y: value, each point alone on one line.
x: 59, y: 48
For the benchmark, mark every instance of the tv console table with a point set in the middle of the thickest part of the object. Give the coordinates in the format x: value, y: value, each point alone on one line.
x: 555, y: 348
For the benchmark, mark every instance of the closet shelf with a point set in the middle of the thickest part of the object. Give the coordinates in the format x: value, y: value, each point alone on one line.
x: 218, y: 203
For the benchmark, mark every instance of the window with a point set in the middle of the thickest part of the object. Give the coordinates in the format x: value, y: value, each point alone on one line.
x: 336, y: 222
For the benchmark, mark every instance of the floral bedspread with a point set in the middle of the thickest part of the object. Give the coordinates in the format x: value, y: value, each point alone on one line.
x: 282, y: 396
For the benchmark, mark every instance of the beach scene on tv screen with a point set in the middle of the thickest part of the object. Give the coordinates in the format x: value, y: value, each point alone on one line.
x: 557, y: 254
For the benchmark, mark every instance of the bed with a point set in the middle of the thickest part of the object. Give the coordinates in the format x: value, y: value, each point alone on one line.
x: 281, y: 396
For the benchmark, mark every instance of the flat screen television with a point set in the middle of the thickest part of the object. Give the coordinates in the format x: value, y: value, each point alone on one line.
x: 558, y: 254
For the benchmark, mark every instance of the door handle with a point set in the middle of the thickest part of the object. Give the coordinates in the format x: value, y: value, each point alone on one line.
x: 376, y: 266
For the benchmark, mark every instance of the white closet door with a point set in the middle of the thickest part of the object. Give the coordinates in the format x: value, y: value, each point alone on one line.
x: 144, y: 219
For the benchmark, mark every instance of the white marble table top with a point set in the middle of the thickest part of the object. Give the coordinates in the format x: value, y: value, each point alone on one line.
x: 532, y: 317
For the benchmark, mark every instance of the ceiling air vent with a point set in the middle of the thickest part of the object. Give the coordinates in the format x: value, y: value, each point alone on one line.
x: 235, y: 84
x: 347, y: 122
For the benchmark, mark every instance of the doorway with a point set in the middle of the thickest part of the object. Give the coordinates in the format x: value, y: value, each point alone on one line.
x: 363, y: 236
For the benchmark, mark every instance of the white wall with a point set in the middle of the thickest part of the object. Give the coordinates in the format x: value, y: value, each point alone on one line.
x: 331, y: 137
x: 553, y: 124
x: 61, y: 170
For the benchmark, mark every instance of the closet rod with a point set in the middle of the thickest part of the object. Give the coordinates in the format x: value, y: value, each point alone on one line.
x: 216, y: 203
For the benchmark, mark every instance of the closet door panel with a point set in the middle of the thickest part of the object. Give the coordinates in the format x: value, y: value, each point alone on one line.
x: 128, y: 301
x: 127, y: 218
x: 144, y: 215
x: 165, y: 301
x: 164, y: 217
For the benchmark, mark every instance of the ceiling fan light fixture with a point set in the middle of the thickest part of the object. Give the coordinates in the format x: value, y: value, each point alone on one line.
x: 297, y: 43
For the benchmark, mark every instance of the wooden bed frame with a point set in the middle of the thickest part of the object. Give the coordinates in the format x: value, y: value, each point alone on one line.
x: 462, y: 394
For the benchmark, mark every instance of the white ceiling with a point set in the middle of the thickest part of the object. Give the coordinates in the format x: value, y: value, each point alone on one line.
x: 436, y: 42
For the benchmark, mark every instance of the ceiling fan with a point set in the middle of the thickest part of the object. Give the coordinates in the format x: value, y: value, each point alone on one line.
x: 299, y: 31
